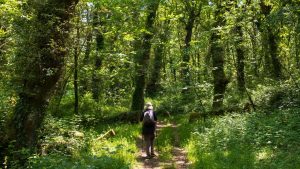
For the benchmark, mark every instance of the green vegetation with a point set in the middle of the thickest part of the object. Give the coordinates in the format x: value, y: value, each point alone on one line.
x: 223, y: 76
x: 251, y: 140
x: 246, y: 141
x: 67, y: 145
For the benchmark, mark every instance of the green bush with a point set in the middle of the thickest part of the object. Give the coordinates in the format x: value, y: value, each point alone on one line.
x: 282, y: 96
x: 247, y: 141
x: 67, y: 144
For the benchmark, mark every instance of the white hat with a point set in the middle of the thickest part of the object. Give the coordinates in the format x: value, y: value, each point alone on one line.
x: 149, y: 106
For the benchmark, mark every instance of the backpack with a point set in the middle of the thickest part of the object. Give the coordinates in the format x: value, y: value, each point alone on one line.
x: 148, y: 119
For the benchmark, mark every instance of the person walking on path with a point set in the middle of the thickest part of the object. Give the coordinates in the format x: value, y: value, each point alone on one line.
x: 149, y: 119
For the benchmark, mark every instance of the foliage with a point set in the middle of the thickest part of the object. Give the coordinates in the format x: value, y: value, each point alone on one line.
x: 285, y: 96
x: 66, y: 144
x: 106, y: 37
x: 246, y: 141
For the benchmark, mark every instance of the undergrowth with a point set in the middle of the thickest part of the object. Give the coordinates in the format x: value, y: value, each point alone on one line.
x: 245, y: 141
x: 67, y: 145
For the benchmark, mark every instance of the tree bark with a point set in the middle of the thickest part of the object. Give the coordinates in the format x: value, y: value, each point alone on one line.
x: 142, y: 59
x: 240, y: 50
x: 277, y: 67
x: 272, y: 53
x: 76, y: 55
x: 256, y: 55
x: 89, y: 38
x: 186, y: 74
x: 85, y: 80
x: 240, y: 60
x: 217, y: 53
x: 43, y: 69
x: 96, y: 79
x: 297, y: 53
x: 153, y: 84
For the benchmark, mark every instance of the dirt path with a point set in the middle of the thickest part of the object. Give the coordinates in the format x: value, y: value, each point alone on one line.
x: 179, y: 159
x: 179, y: 154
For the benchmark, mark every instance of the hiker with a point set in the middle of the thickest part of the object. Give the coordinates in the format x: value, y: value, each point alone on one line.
x: 149, y: 119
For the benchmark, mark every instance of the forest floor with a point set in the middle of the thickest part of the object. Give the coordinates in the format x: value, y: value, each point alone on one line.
x: 252, y: 140
x: 179, y: 155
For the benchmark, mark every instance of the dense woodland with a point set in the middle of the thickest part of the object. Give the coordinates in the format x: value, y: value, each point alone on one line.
x: 225, y: 71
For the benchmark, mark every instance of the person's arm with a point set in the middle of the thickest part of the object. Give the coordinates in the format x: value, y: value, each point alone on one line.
x: 142, y: 116
x: 155, y: 117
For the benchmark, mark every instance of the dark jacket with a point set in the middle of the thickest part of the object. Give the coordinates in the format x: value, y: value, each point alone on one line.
x: 150, y: 128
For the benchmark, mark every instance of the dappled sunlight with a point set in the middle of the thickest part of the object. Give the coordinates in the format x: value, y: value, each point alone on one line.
x: 84, y: 82
x: 264, y: 154
x: 242, y: 141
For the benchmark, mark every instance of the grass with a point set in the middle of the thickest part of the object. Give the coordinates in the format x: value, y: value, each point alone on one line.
x: 164, y: 144
x: 245, y: 141
x: 62, y: 149
x: 234, y: 141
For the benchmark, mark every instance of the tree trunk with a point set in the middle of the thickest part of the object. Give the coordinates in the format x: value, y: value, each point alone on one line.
x: 256, y: 56
x: 142, y: 59
x: 96, y: 79
x: 266, y: 54
x: 43, y: 69
x: 240, y: 60
x: 271, y: 55
x: 297, y: 41
x: 89, y: 38
x: 76, y: 55
x: 85, y: 80
x: 217, y: 53
x: 153, y: 84
x: 277, y: 68
x: 240, y: 50
x: 186, y: 74
x: 297, y: 46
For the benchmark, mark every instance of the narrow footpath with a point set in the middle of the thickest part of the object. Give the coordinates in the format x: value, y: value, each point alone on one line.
x: 179, y: 159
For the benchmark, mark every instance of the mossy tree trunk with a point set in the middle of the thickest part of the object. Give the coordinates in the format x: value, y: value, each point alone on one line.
x: 153, y: 84
x: 272, y: 61
x: 240, y: 60
x: 277, y: 67
x: 142, y: 59
x: 96, y: 78
x: 217, y: 53
x: 193, y: 12
x: 186, y: 74
x: 240, y: 53
x: 43, y: 66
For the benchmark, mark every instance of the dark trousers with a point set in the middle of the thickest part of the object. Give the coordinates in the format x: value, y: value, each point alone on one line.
x: 149, y: 140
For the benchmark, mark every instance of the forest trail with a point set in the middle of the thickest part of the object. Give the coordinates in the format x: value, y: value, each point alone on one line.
x: 179, y: 154
x: 179, y: 159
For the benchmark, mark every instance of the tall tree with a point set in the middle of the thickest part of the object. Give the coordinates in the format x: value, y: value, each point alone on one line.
x: 142, y: 58
x: 193, y: 8
x: 76, y: 56
x: 217, y: 53
x: 271, y: 39
x: 240, y: 53
x: 159, y: 50
x: 240, y: 58
x: 43, y: 65
x: 96, y: 79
